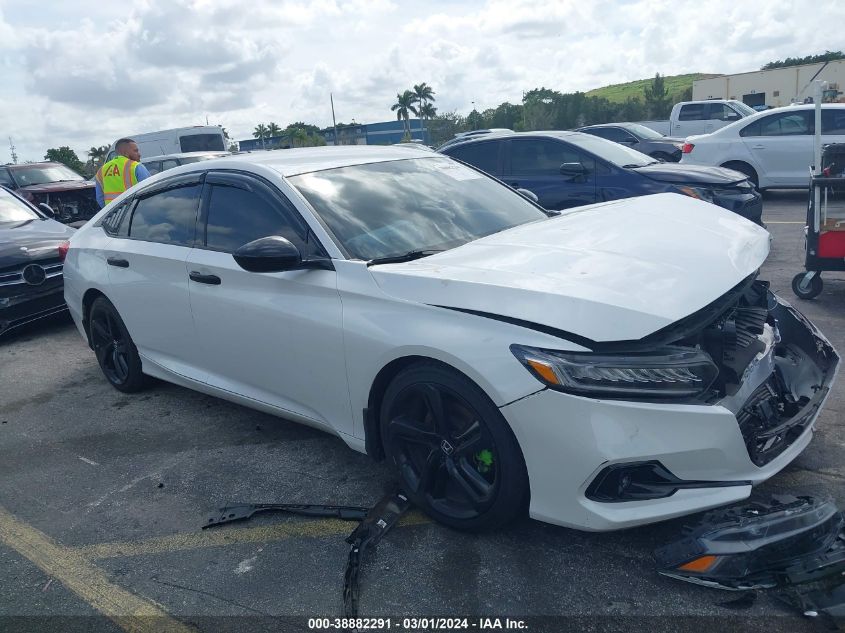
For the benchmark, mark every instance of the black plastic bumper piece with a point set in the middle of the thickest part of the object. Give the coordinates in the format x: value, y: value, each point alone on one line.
x: 641, y: 481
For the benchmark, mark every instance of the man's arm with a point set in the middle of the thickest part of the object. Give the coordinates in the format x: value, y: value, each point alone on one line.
x: 141, y: 172
x: 99, y: 193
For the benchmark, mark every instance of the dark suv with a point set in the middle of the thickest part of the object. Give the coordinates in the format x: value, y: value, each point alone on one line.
x: 569, y: 169
x: 68, y: 194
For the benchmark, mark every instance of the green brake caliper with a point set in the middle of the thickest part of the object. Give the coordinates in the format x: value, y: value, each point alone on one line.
x: 484, y: 461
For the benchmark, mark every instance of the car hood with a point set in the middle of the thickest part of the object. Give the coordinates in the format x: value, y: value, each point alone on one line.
x: 50, y: 187
x: 690, y: 174
x: 609, y: 272
x: 39, y: 238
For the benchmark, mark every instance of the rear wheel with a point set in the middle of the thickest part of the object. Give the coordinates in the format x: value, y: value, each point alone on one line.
x: 116, y: 353
x: 809, y: 290
x: 745, y: 168
x: 456, y: 455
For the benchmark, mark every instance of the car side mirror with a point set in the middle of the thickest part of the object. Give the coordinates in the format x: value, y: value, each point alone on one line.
x: 273, y: 254
x: 527, y: 193
x: 46, y: 209
x: 573, y: 170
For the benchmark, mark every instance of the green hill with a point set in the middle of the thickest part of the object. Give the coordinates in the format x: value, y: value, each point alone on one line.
x: 618, y: 93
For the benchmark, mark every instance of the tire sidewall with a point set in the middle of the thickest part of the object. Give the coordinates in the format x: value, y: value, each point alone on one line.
x: 136, y: 379
x: 512, y: 491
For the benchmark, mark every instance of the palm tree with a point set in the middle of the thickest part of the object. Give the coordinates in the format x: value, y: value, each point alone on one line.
x: 97, y: 154
x: 260, y: 132
x: 403, y: 106
x: 273, y: 130
x: 423, y: 95
x: 428, y: 111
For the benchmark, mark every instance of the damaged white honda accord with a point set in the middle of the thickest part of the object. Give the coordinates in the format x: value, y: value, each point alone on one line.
x: 614, y: 366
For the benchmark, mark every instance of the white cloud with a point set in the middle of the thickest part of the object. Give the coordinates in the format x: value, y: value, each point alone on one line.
x: 84, y: 73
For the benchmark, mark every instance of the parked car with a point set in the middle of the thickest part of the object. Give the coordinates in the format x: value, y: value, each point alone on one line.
x: 497, y: 354
x: 640, y: 138
x: 69, y: 195
x: 773, y: 148
x: 570, y: 169
x: 703, y: 117
x: 156, y: 164
x: 32, y: 248
x: 463, y: 136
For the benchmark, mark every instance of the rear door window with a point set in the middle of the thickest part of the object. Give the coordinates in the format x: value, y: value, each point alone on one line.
x: 167, y: 217
x: 833, y: 121
x: 692, y: 112
x: 485, y: 155
x: 782, y: 124
x: 6, y: 178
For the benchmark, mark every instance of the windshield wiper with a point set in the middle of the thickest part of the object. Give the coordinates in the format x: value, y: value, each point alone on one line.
x: 404, y: 257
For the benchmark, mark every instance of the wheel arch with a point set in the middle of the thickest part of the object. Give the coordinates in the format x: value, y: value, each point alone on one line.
x: 743, y: 167
x: 91, y: 295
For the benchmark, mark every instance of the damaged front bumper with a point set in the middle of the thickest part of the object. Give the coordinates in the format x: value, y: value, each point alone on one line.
x: 608, y: 464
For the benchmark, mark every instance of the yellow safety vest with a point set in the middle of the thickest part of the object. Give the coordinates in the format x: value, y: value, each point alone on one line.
x: 116, y: 176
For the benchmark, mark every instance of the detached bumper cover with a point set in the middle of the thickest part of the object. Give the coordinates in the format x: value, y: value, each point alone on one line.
x: 569, y: 440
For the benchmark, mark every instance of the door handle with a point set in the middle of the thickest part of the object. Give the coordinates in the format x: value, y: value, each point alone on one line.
x: 211, y: 280
x: 115, y: 261
x: 758, y: 147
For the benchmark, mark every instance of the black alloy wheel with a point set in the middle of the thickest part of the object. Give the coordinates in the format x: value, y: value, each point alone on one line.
x: 456, y: 456
x: 115, y: 351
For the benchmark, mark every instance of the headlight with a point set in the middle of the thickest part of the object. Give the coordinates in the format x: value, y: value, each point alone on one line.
x: 670, y: 372
x: 701, y: 193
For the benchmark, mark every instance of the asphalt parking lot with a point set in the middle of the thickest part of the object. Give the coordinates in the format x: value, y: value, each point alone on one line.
x: 102, y: 496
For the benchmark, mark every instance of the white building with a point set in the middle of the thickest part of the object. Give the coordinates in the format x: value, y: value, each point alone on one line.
x: 776, y: 87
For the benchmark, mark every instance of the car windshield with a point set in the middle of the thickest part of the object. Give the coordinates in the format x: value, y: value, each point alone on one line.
x: 41, y: 174
x: 611, y: 152
x: 643, y: 132
x: 421, y: 204
x: 13, y: 210
x: 745, y: 109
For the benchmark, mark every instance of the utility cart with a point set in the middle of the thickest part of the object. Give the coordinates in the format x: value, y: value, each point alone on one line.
x: 825, y: 229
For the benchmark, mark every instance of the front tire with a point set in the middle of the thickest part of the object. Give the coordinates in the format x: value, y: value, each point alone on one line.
x: 748, y: 170
x: 456, y: 456
x: 116, y: 352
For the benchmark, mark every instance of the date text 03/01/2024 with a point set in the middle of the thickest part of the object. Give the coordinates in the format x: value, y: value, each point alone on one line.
x: 412, y: 624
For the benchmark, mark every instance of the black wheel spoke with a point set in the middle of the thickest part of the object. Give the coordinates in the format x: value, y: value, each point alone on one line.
x: 120, y: 363
x: 434, y: 403
x: 470, y: 440
x: 402, y: 428
x: 433, y: 464
x: 477, y: 489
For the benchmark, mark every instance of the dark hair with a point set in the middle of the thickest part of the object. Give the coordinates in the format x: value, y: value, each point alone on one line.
x: 121, y: 142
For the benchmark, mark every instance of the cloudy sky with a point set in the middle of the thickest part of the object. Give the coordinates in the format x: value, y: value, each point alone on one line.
x: 83, y: 73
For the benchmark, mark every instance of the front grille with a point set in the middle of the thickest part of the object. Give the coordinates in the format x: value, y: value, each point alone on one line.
x: 12, y: 275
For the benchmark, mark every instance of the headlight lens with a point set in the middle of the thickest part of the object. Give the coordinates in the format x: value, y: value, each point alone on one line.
x: 701, y: 193
x: 671, y: 372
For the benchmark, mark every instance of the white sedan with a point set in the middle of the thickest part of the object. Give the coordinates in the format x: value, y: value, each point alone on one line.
x: 613, y: 366
x: 773, y: 148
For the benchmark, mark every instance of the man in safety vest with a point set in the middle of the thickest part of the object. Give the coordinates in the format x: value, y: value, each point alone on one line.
x: 121, y: 172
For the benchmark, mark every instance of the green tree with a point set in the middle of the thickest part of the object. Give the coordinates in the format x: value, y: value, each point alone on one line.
x: 299, y: 137
x: 403, y: 108
x: 260, y: 132
x: 442, y: 127
x: 658, y: 102
x: 66, y: 156
x: 423, y: 95
x: 827, y: 56
x: 273, y: 130
x: 475, y: 120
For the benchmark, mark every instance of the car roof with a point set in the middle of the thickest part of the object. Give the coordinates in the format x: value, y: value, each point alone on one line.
x: 184, y: 155
x: 562, y: 134
x: 43, y: 163
x: 292, y: 162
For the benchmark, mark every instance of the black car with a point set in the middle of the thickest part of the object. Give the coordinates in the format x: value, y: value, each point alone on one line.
x: 32, y: 249
x: 570, y: 169
x: 640, y: 138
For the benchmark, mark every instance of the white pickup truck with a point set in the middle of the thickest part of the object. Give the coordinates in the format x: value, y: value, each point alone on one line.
x: 700, y: 117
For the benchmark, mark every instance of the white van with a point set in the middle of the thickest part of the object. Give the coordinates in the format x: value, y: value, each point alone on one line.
x: 198, y: 138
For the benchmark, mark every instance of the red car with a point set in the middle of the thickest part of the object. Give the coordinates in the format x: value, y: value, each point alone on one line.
x: 68, y: 194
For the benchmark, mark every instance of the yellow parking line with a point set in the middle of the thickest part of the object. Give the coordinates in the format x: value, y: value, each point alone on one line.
x: 130, y: 612
x: 220, y: 537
